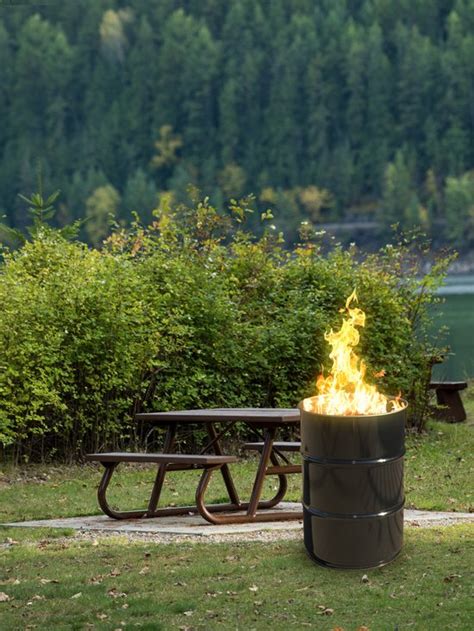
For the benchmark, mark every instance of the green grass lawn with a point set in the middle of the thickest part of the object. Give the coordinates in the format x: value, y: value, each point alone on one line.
x: 104, y: 584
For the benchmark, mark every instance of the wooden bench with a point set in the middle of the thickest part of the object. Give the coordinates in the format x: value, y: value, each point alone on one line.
x: 167, y: 462
x: 448, y: 398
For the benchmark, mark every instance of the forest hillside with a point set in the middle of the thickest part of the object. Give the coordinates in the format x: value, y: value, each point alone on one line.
x: 328, y: 111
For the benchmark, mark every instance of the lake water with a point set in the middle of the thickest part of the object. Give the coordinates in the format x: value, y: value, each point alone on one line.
x: 458, y: 314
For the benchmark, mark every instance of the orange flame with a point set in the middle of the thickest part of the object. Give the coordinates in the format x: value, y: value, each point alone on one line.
x: 344, y: 392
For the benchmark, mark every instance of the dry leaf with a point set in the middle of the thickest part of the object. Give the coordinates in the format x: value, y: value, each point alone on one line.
x: 365, y: 579
x: 45, y: 581
x: 115, y: 572
x: 78, y: 595
x: 325, y: 611
x: 102, y: 616
x: 4, y: 597
x: 254, y: 588
x: 450, y: 578
x: 145, y: 570
x: 114, y: 593
x: 188, y: 613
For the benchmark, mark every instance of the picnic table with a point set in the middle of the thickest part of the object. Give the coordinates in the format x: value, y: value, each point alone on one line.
x: 264, y: 423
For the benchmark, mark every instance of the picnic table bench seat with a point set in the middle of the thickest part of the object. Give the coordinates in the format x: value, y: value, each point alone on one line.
x: 448, y: 398
x: 167, y: 462
x: 197, y: 462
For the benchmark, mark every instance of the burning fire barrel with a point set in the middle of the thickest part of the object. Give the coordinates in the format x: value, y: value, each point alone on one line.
x: 352, y: 442
x: 352, y: 487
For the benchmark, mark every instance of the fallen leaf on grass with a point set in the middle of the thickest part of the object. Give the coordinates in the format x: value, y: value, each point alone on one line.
x: 115, y: 572
x: 188, y: 613
x: 231, y: 558
x: 254, y: 588
x: 96, y: 580
x: 365, y: 579
x: 450, y: 578
x: 10, y: 581
x: 114, y: 593
x: 102, y: 616
x: 211, y: 614
x: 325, y: 611
x: 4, y: 597
x: 144, y: 570
x: 45, y: 581
x: 78, y: 595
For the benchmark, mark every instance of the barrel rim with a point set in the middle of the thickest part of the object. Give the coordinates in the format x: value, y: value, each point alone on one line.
x: 352, y: 416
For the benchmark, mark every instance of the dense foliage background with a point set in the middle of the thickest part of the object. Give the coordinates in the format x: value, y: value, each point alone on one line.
x: 190, y: 312
x: 353, y: 110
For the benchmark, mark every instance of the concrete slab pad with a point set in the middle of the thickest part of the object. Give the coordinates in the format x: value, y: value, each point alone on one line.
x: 196, y: 527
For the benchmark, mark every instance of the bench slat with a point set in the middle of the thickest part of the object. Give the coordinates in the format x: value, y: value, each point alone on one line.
x: 287, y: 446
x: 206, y: 459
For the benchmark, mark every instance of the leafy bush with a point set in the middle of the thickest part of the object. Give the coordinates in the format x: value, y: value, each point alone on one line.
x: 190, y: 312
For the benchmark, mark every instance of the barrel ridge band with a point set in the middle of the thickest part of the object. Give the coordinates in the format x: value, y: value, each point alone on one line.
x: 386, y: 513
x: 351, y: 462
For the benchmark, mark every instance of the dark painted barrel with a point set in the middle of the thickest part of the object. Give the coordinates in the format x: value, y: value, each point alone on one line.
x: 353, y: 487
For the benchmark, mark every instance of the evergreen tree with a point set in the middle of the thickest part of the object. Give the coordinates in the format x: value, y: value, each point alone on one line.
x: 459, y: 196
x: 101, y: 209
x: 397, y: 200
x: 140, y: 195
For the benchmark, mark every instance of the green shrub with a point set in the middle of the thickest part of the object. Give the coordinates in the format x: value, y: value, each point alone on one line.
x: 190, y: 312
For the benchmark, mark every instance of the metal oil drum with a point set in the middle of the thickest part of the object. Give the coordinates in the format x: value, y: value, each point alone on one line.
x: 353, y: 487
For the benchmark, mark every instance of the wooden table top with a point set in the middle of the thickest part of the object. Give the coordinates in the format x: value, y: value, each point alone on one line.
x: 254, y: 416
